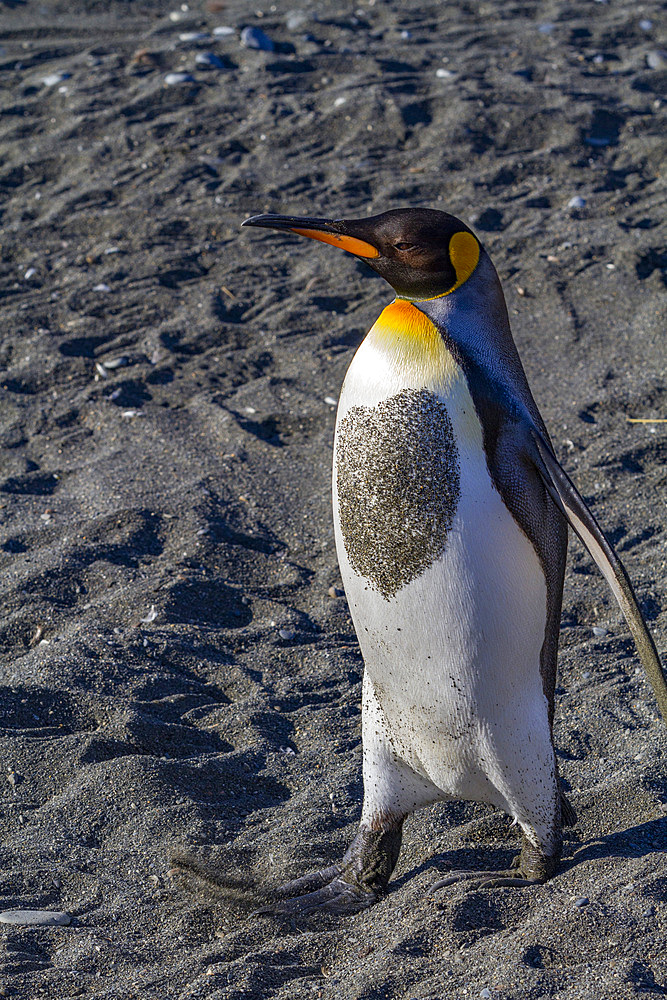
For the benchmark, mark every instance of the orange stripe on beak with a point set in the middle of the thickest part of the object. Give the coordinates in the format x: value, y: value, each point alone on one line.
x: 358, y: 247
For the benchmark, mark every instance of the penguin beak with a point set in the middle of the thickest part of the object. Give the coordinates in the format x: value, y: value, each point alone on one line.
x: 325, y: 230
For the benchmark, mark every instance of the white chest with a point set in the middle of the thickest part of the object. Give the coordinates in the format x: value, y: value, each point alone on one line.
x: 445, y: 590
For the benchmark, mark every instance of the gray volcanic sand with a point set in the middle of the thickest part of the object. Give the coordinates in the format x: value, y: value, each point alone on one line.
x: 174, y: 673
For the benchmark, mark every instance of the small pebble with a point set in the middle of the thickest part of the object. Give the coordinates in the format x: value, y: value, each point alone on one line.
x: 151, y: 616
x: 576, y: 202
x: 55, y: 78
x: 144, y: 58
x: 599, y: 630
x: 656, y: 60
x: 35, y: 918
x: 102, y: 287
x: 598, y: 59
x: 255, y: 38
x: 444, y: 74
x: 286, y: 633
x: 645, y: 24
x: 546, y: 28
x: 486, y: 993
x: 172, y: 79
x: 101, y: 370
x: 116, y: 363
x: 193, y: 36
x: 406, y: 35
x: 295, y: 20
x: 336, y: 592
x: 30, y: 273
x: 330, y: 401
x: 582, y: 901
x: 209, y: 60
x: 223, y: 31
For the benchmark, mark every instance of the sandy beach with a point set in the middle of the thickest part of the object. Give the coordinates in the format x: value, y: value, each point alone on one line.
x: 175, y: 675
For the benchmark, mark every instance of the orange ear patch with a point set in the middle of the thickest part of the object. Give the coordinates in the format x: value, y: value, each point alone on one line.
x: 358, y: 247
x: 464, y: 255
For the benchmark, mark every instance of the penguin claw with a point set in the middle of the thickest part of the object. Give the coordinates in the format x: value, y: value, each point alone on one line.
x: 353, y: 885
x: 306, y: 885
x: 483, y: 880
x: 337, y: 897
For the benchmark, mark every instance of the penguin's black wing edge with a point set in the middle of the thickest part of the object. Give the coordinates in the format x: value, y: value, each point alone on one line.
x: 571, y: 503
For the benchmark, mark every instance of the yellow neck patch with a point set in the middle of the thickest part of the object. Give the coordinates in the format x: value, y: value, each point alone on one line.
x: 413, y: 342
x: 464, y: 255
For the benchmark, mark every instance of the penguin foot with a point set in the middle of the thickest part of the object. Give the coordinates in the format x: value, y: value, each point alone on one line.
x: 337, y: 897
x: 484, y: 880
x: 355, y: 884
x: 531, y: 867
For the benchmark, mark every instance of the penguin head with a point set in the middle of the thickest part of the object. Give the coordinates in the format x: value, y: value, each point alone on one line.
x: 422, y: 253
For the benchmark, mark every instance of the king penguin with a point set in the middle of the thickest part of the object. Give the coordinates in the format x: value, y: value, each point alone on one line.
x: 451, y: 518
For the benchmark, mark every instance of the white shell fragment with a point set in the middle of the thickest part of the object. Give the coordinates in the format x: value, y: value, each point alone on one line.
x: 209, y: 60
x: 36, y: 918
x: 255, y: 38
x: 173, y: 79
x: 53, y: 79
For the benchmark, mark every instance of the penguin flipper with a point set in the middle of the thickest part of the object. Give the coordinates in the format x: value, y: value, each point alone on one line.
x: 582, y: 521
